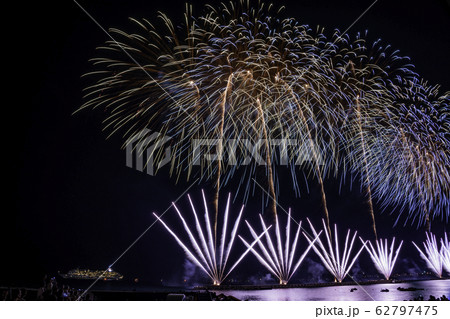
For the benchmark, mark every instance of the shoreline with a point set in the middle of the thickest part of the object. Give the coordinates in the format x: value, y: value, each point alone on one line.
x: 177, y: 289
x: 313, y: 285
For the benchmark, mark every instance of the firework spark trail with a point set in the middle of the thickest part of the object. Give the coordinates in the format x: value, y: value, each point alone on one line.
x: 383, y: 258
x: 445, y: 252
x: 268, y: 159
x: 432, y: 255
x: 336, y: 264
x: 415, y: 169
x: 212, y: 261
x: 412, y: 155
x: 279, y: 262
x: 421, y: 194
x: 368, y: 187
x: 314, y: 154
x: 363, y: 149
x: 219, y: 155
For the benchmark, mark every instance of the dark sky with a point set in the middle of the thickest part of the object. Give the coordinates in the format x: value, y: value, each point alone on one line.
x: 74, y: 201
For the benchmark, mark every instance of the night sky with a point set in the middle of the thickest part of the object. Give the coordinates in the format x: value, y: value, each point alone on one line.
x: 74, y: 201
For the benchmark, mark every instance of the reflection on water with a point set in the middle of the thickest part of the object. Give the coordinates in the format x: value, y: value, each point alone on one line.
x: 436, y: 288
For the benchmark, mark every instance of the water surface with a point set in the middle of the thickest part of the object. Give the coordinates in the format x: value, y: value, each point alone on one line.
x: 436, y: 288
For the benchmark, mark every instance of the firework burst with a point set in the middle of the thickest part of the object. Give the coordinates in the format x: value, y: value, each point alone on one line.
x: 338, y: 265
x: 281, y: 263
x: 203, y: 252
x: 432, y: 255
x: 445, y: 252
x: 407, y: 154
x: 383, y: 258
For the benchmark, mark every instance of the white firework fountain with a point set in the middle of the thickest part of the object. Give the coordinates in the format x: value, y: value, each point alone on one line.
x: 445, y: 252
x: 432, y: 255
x: 383, y: 258
x: 339, y: 266
x: 279, y: 261
x: 203, y: 252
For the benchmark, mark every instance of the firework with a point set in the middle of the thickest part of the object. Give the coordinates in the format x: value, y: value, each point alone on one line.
x: 203, y: 252
x: 241, y: 75
x: 337, y: 265
x: 432, y: 255
x: 281, y: 263
x: 220, y: 79
x: 367, y: 180
x: 445, y: 252
x: 406, y: 158
x: 383, y: 258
